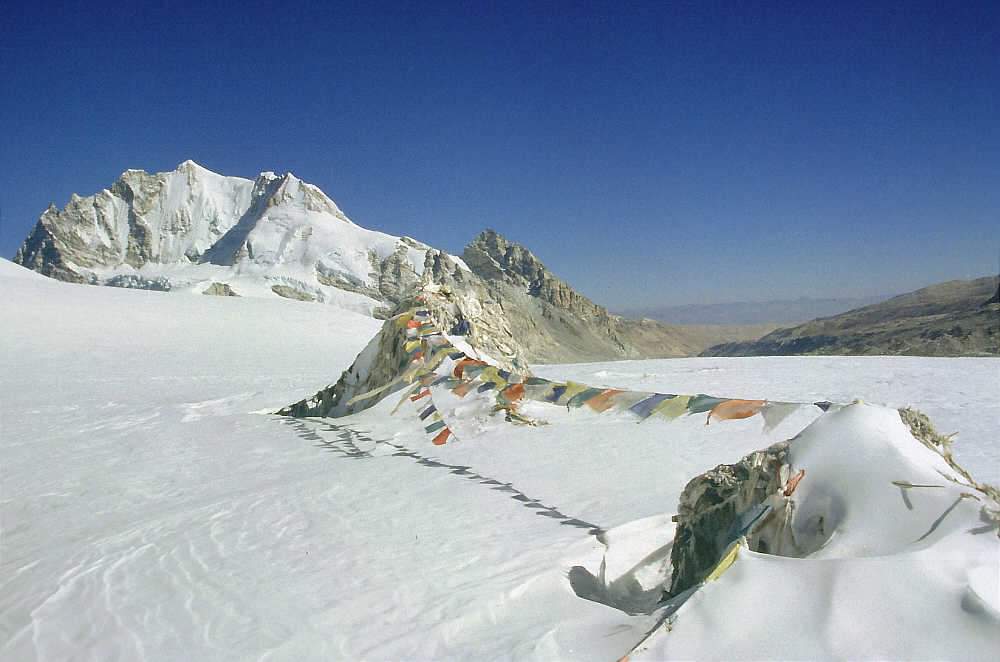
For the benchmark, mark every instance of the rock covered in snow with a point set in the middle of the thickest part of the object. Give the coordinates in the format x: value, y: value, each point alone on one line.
x: 459, y: 306
x: 163, y: 218
x: 808, y: 497
x: 847, y: 541
x: 220, y: 289
x: 711, y: 508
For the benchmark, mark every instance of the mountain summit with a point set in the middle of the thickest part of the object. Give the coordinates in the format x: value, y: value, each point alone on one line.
x: 197, y: 230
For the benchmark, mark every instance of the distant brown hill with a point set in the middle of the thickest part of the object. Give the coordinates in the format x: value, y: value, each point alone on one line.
x: 956, y: 318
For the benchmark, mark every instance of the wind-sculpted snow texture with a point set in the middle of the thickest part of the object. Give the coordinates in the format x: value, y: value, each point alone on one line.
x: 153, y: 508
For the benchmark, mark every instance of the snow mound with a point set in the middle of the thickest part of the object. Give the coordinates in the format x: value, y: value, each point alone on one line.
x: 880, y: 523
x: 875, y: 490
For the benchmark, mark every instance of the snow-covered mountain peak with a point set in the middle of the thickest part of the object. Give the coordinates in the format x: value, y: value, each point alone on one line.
x: 191, y: 228
x: 191, y: 165
x: 293, y: 191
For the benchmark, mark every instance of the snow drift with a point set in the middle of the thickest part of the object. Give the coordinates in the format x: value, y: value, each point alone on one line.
x: 864, y: 522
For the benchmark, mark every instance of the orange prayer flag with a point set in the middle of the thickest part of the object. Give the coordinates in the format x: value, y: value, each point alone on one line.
x: 514, y: 392
x: 441, y: 437
x: 422, y: 394
x: 604, y: 401
x: 735, y: 409
x: 463, y: 363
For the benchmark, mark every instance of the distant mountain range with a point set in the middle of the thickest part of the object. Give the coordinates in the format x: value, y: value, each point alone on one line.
x: 776, y: 312
x: 956, y: 318
x: 195, y: 231
x: 192, y: 230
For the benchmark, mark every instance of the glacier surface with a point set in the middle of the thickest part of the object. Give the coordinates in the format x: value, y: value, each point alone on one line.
x: 152, y: 508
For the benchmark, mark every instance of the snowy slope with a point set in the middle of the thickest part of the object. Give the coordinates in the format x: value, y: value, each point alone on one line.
x: 189, y: 228
x: 150, y: 509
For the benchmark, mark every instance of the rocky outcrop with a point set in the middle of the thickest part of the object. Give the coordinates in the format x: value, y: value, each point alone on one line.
x: 43, y: 252
x: 391, y: 279
x: 826, y: 492
x: 995, y: 299
x: 220, y: 289
x: 288, y: 292
x: 718, y: 506
x: 497, y: 260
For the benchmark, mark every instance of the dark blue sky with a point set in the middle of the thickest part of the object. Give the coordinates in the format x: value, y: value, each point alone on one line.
x: 663, y: 153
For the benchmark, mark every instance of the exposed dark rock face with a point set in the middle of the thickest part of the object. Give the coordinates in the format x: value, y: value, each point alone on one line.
x: 495, y: 259
x: 714, y: 507
x: 139, y: 283
x: 950, y: 319
x: 994, y: 299
x: 42, y: 252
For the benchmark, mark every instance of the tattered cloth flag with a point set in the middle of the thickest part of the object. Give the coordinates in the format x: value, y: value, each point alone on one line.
x: 774, y: 413
x: 731, y: 410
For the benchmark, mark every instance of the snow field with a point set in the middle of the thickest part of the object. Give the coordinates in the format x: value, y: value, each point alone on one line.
x: 151, y: 509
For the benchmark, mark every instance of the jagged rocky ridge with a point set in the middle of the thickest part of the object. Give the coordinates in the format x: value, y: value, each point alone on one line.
x: 555, y: 323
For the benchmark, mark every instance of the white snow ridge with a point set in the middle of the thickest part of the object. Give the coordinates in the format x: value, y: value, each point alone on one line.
x: 154, y: 508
